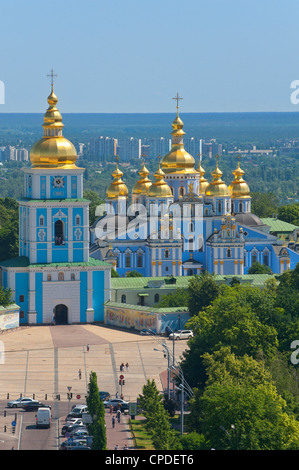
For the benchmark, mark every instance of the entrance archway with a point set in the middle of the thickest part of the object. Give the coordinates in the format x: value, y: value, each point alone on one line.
x: 61, y: 314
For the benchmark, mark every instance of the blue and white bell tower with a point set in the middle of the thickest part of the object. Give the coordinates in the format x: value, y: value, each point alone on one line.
x: 53, y: 277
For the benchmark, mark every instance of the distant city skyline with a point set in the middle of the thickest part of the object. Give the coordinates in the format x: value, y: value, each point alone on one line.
x: 133, y: 57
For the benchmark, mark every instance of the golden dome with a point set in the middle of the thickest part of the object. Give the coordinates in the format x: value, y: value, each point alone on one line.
x: 159, y: 188
x: 178, y: 160
x: 117, y: 188
x: 239, y: 188
x: 217, y: 187
x: 53, y: 150
x: 203, y: 182
x: 144, y: 183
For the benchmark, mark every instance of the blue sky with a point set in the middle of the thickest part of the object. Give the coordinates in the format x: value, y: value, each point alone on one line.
x: 134, y: 56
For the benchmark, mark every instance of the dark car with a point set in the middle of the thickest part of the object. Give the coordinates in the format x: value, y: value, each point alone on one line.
x: 34, y: 406
x: 104, y: 396
x: 72, y: 427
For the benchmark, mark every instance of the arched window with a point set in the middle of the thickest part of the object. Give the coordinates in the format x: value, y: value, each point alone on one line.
x: 139, y: 260
x: 157, y: 298
x: 233, y: 207
x: 128, y: 260
x: 181, y: 191
x: 41, y: 221
x: 229, y: 253
x: 220, y: 206
x: 266, y: 259
x: 59, y: 232
x: 78, y: 220
x: 241, y: 207
x: 123, y: 299
x: 60, y: 276
x: 254, y: 257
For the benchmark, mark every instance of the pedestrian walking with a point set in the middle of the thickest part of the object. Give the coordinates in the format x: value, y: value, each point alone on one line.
x: 116, y: 447
x: 116, y: 395
x: 125, y: 447
x: 80, y: 374
x: 118, y: 416
x: 113, y: 421
x: 127, y: 367
x: 87, y: 348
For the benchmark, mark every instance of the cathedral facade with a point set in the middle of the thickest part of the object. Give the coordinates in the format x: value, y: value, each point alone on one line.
x: 53, y: 279
x: 182, y: 224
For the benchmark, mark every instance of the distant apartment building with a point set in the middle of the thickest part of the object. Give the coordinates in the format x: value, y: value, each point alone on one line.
x: 11, y: 153
x: 127, y: 148
x: 102, y: 148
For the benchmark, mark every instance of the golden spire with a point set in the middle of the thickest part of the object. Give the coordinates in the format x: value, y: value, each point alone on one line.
x: 217, y: 187
x: 159, y: 188
x: 53, y: 150
x: 178, y: 160
x: 203, y: 182
x: 144, y: 183
x: 117, y: 187
x: 239, y: 188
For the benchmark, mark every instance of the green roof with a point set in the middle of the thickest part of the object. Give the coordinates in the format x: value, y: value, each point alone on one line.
x: 75, y: 199
x: 9, y: 307
x: 182, y: 281
x: 23, y: 262
x: 146, y: 309
x: 277, y: 225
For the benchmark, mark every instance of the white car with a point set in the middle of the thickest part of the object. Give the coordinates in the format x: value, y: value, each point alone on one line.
x: 181, y: 334
x: 19, y: 402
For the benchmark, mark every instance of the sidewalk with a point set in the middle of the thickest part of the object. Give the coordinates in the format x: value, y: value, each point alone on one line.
x: 119, y: 435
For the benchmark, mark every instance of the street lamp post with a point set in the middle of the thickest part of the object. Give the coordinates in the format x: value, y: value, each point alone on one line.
x: 173, y: 341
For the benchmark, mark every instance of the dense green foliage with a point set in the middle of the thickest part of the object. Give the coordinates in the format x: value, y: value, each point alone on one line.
x: 9, y: 228
x: 238, y: 363
x: 96, y: 409
x: 157, y: 418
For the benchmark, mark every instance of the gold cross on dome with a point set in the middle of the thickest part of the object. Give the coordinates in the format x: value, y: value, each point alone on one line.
x: 52, y: 75
x: 177, y: 98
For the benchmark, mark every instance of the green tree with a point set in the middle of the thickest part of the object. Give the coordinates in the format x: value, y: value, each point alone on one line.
x: 243, y: 417
x: 95, y: 201
x: 258, y: 268
x: 157, y: 418
x: 289, y: 213
x: 202, y: 290
x: 264, y: 204
x: 179, y: 298
x: 97, y: 412
x: 5, y: 297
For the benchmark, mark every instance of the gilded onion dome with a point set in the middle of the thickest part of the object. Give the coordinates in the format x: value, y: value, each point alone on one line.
x: 117, y: 187
x: 159, y: 188
x: 203, y: 182
x: 144, y: 183
x: 53, y: 150
x: 239, y: 188
x: 217, y: 187
x: 178, y: 160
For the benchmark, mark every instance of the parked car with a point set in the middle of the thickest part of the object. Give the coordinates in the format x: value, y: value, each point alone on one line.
x: 145, y: 332
x: 78, y: 433
x: 116, y: 403
x: 20, y: 402
x: 181, y: 334
x: 34, y: 406
x: 69, y: 426
x: 77, y: 412
x: 104, y: 396
x: 72, y: 443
